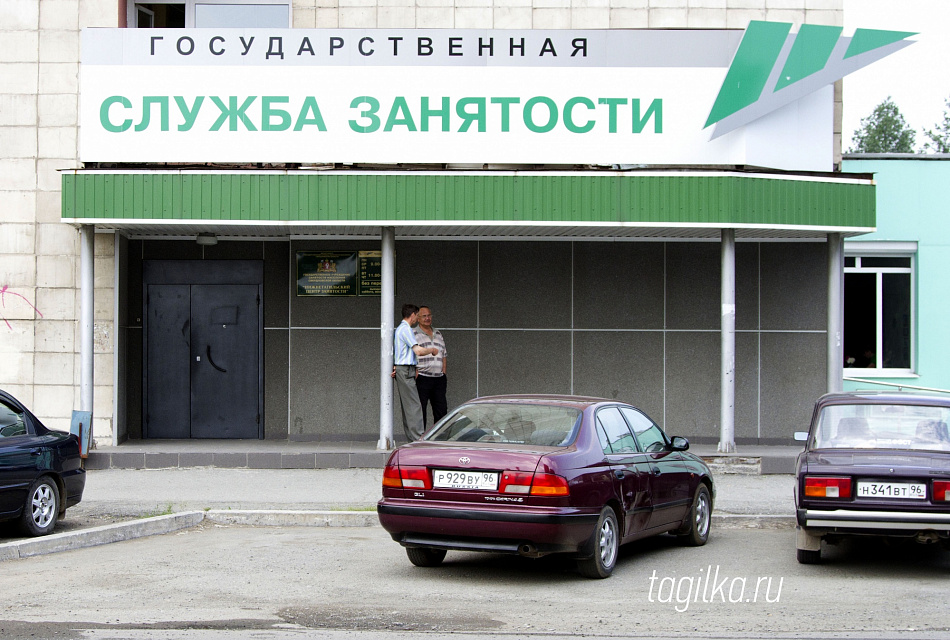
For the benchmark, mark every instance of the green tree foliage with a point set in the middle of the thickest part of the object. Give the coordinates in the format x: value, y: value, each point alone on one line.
x: 884, y: 131
x: 940, y: 135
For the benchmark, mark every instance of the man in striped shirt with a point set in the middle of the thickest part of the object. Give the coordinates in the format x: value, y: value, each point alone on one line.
x: 405, y: 356
x: 431, y: 381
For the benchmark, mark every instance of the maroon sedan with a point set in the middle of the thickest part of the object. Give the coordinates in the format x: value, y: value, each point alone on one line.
x: 874, y: 464
x: 534, y: 475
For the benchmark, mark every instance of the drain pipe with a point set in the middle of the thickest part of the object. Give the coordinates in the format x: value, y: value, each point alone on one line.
x: 387, y: 301
x: 87, y: 288
x: 727, y: 436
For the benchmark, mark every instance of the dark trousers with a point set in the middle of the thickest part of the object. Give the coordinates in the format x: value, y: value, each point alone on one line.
x: 432, y: 390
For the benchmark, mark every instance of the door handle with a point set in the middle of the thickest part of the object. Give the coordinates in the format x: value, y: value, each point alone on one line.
x: 212, y: 361
x: 619, y: 473
x: 655, y: 470
x: 35, y: 452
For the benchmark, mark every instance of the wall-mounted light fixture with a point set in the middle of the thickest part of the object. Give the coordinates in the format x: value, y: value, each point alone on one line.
x: 206, y: 239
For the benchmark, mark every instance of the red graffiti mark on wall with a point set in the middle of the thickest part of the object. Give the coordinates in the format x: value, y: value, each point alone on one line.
x: 3, y: 300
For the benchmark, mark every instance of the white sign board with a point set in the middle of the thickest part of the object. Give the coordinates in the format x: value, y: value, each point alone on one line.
x: 429, y: 96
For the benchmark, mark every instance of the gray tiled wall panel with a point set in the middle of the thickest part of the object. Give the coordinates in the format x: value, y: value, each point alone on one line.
x: 525, y: 284
x: 621, y: 365
x: 618, y: 285
x: 443, y: 275
x: 747, y: 387
x: 692, y: 383
x: 793, y: 376
x: 334, y: 384
x: 524, y: 362
x: 747, y: 285
x: 276, y: 381
x: 277, y: 284
x: 794, y: 286
x: 692, y: 286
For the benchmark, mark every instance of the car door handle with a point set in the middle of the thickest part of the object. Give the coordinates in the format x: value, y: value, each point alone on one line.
x: 36, y: 452
x: 655, y: 470
x: 619, y: 473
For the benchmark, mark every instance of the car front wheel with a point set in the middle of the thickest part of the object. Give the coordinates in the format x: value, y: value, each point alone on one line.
x: 603, y: 547
x: 42, y: 507
x: 425, y: 557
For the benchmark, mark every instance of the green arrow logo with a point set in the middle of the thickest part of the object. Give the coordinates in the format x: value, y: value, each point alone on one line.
x: 772, y: 67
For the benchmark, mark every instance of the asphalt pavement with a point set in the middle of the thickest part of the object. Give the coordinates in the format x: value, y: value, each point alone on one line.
x: 121, y: 504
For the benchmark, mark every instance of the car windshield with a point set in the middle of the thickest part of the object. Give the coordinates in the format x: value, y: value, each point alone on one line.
x: 882, y: 426
x: 509, y: 422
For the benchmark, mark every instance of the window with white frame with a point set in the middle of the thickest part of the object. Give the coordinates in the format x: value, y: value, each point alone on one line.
x: 879, y: 307
x: 221, y: 14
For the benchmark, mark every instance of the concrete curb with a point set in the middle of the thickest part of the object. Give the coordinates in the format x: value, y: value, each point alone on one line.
x: 277, y: 518
x: 99, y: 535
x: 753, y: 521
x: 159, y: 525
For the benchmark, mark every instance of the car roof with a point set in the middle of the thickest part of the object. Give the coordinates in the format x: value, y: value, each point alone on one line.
x: 884, y: 397
x: 579, y: 402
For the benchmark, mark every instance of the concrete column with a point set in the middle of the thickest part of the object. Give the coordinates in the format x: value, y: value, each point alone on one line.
x: 835, y: 311
x: 387, y: 312
x: 727, y: 435
x: 87, y: 288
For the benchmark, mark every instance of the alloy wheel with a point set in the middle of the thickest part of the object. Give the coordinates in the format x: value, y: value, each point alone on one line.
x: 608, y: 542
x: 43, y: 505
x: 702, y: 515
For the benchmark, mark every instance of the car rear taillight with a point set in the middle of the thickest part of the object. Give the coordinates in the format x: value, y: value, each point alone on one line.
x: 406, y: 477
x: 825, y: 487
x: 941, y: 491
x: 548, y: 484
x: 391, y: 477
x: 536, y: 484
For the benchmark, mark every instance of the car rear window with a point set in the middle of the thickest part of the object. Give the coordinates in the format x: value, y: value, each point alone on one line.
x: 512, y: 423
x: 883, y: 426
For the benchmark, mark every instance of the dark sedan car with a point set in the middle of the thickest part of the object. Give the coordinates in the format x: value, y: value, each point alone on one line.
x: 41, y: 472
x: 534, y: 475
x: 874, y: 464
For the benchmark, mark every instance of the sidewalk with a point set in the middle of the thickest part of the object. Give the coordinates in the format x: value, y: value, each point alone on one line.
x: 120, y: 504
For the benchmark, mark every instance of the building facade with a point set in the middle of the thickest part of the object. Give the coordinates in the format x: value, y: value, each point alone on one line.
x: 896, y: 297
x: 583, y: 276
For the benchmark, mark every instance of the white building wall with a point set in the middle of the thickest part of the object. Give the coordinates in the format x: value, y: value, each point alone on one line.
x: 39, y: 256
x: 39, y: 92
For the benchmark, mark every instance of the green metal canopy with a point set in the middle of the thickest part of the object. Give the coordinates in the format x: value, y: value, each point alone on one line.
x: 589, y: 204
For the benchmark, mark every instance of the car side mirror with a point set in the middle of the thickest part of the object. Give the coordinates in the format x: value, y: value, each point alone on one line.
x: 801, y: 436
x: 679, y: 443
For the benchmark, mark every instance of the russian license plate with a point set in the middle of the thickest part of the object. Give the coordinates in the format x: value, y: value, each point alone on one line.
x: 448, y: 479
x: 916, y: 490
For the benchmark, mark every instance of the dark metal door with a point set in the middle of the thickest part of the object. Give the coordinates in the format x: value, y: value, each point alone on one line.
x: 225, y: 333
x: 168, y: 350
x: 203, y: 348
